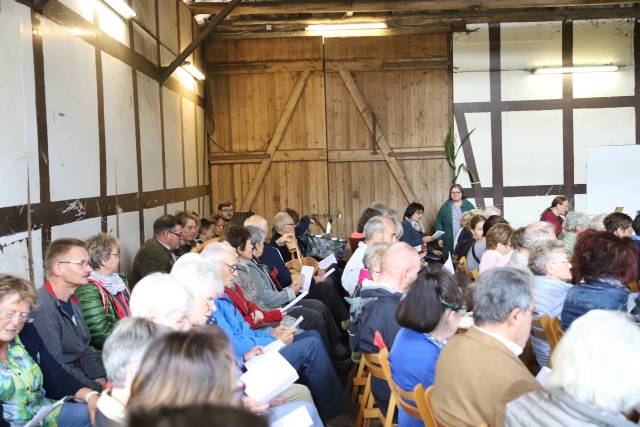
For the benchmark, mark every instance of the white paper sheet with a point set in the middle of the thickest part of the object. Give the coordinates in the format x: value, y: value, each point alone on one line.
x: 327, y: 262
x: 268, y: 376
x: 307, y: 272
x: 294, y: 301
x: 327, y: 274
x: 43, y: 412
x: 448, y: 266
x: 273, y: 347
x: 297, y: 322
x: 297, y: 418
x: 438, y: 234
x: 542, y: 375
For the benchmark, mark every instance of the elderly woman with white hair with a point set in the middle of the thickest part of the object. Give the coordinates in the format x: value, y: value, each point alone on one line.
x: 552, y: 272
x: 162, y: 299
x: 574, y: 224
x: 595, y: 379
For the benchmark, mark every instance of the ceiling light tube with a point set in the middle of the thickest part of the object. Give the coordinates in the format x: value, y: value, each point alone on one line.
x: 191, y: 69
x: 576, y: 69
x: 338, y: 27
x: 121, y: 8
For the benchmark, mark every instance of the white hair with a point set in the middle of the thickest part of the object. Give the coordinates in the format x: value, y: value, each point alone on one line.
x: 257, y: 221
x: 280, y: 219
x: 159, y: 294
x: 595, y: 361
x: 198, y: 274
x: 216, y: 252
x: 597, y: 222
x: 537, y: 232
x: 490, y: 211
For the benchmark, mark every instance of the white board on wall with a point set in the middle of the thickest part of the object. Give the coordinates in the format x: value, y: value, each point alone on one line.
x: 613, y: 175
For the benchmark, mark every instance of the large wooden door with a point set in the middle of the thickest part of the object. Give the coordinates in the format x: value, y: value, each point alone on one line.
x: 329, y: 126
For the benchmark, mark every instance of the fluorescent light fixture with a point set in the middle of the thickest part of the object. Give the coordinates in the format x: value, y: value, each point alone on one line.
x: 121, y: 8
x: 338, y: 27
x: 577, y: 69
x: 191, y: 69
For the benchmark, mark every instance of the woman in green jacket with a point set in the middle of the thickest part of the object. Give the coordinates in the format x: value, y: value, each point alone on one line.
x: 448, y: 219
x: 105, y: 299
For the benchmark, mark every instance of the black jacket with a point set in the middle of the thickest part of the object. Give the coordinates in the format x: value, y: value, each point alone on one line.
x: 376, y: 312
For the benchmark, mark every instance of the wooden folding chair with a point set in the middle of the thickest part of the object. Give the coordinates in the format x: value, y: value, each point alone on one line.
x: 422, y: 398
x: 475, y: 273
x: 404, y: 398
x: 368, y: 408
x: 552, y: 330
x: 358, y: 381
x: 462, y: 264
x: 634, y: 286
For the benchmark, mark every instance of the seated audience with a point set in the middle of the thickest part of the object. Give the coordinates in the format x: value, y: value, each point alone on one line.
x: 181, y: 369
x: 429, y: 316
x: 636, y: 227
x: 202, y: 279
x: 304, y: 351
x: 271, y: 256
x: 105, y: 299
x: 465, y: 238
x: 190, y: 222
x: 479, y: 372
x: 594, y: 381
x: 358, y: 236
x: 156, y: 254
x: 372, y: 263
x: 491, y: 211
x: 574, y: 224
x: 552, y: 270
x: 597, y: 222
x: 162, y: 299
x: 555, y: 213
x: 378, y: 305
x: 196, y: 416
x: 519, y: 254
x: 58, y: 317
x: 122, y: 356
x: 226, y: 210
x: 31, y: 380
x: 534, y: 233
x: 621, y: 225
x: 218, y: 226
x: 413, y: 229
x: 498, y: 251
x: 302, y: 228
x: 205, y: 232
x: 377, y: 229
x: 603, y: 265
x: 474, y: 256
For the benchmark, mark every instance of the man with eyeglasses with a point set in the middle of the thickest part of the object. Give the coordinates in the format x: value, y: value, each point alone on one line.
x: 156, y: 254
x: 58, y: 317
x: 226, y: 210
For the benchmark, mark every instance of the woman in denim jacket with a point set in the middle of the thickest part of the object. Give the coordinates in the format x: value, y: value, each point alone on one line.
x: 603, y: 265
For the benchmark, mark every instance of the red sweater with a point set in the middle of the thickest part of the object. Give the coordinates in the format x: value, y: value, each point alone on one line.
x: 552, y: 219
x: 246, y: 307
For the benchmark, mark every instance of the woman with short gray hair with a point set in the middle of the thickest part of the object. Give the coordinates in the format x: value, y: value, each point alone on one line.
x: 574, y: 224
x: 552, y: 270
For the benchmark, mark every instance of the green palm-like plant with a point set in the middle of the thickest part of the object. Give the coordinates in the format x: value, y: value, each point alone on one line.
x: 452, y: 154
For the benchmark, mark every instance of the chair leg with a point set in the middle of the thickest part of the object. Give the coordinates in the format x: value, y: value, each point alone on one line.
x: 391, y: 409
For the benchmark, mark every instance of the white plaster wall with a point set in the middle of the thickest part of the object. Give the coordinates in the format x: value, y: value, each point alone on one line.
x: 18, y: 133
x: 471, y: 65
x: 480, y: 140
x: 520, y: 211
x: 172, y: 138
x: 144, y: 43
x: 119, y: 123
x: 72, y: 114
x: 172, y: 208
x: 84, y: 8
x: 190, y: 147
x: 151, y: 215
x: 112, y: 24
x: 79, y: 229
x: 127, y: 228
x: 150, y: 132
x: 192, y: 205
x: 14, y: 256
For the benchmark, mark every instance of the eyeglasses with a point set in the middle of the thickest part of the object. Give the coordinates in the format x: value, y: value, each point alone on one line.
x: 226, y: 210
x: 82, y: 263
x: 456, y: 192
x: 115, y: 254
x: 462, y: 308
x: 232, y: 268
x: 561, y: 261
x: 289, y: 224
x: 177, y: 234
x: 22, y: 317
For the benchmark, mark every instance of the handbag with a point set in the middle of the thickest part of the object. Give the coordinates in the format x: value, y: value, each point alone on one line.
x: 321, y: 246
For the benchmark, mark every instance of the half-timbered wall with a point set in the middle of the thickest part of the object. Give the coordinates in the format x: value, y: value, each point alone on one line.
x: 531, y: 132
x: 85, y: 120
x: 329, y: 127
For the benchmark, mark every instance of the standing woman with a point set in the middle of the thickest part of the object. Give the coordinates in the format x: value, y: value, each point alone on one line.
x: 105, y: 299
x: 555, y: 213
x: 448, y: 219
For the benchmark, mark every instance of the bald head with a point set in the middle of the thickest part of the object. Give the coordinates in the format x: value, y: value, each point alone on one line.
x: 257, y: 221
x: 400, y: 266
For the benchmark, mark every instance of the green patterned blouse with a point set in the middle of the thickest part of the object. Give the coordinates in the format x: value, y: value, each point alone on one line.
x: 21, y: 391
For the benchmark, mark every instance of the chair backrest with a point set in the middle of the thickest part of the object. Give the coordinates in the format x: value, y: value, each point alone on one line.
x: 462, y: 263
x: 422, y: 398
x: 475, y: 273
x: 372, y: 361
x: 537, y: 330
x: 634, y: 286
x: 404, y: 398
x: 552, y: 330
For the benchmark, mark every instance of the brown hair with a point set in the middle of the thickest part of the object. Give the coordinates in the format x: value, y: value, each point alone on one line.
x: 60, y: 247
x: 475, y: 220
x: 499, y: 233
x: 600, y: 254
x: 184, y: 216
x: 185, y: 368
x: 10, y: 285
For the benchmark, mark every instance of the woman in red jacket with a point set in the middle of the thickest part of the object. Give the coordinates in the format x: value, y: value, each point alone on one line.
x: 556, y: 212
x: 253, y: 315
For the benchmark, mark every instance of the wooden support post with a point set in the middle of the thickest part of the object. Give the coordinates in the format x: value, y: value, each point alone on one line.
x: 275, y: 140
x: 379, y: 137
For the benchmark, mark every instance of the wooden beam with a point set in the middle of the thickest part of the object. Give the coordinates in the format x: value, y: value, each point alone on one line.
x: 369, y: 33
x: 436, y: 63
x: 263, y: 67
x: 257, y: 157
x: 425, y: 153
x: 379, y: 137
x: 275, y: 139
x: 359, y: 6
x: 211, y: 25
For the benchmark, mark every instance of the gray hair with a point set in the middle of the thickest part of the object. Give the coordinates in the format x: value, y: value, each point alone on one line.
x: 597, y: 222
x: 159, y: 294
x: 99, y: 248
x: 498, y: 292
x: 542, y: 253
x: 257, y: 235
x: 373, y: 226
x: 573, y: 220
x: 396, y: 223
x: 197, y: 274
x: 280, y: 219
x: 126, y: 346
x: 490, y: 211
x: 215, y: 252
x: 537, y: 232
x: 373, y: 256
x: 611, y: 339
x: 257, y: 221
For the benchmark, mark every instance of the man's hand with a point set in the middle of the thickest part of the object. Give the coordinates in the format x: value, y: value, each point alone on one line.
x: 427, y: 239
x: 255, y: 351
x: 92, y: 406
x: 253, y: 405
x: 283, y: 333
x: 287, y: 237
x: 257, y: 316
x: 296, y: 283
x: 277, y: 401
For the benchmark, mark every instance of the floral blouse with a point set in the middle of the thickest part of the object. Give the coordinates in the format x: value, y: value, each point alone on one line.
x: 21, y: 391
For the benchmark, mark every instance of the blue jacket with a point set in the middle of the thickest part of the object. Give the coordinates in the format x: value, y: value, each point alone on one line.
x: 593, y: 294
x: 271, y: 256
x: 410, y: 235
x: 242, y: 337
